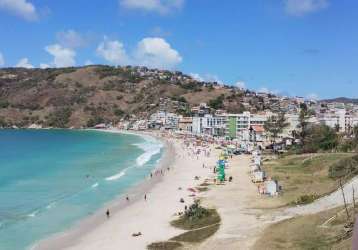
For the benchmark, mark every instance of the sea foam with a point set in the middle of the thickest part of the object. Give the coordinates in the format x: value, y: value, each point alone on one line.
x: 151, y: 147
x: 116, y: 176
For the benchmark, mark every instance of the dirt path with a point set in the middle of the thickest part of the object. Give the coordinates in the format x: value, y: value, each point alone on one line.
x: 240, y: 224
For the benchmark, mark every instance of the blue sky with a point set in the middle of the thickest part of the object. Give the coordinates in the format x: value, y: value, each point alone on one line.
x: 293, y: 47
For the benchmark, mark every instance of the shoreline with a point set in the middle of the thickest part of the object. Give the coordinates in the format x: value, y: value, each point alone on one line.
x: 152, y: 216
x: 69, y: 236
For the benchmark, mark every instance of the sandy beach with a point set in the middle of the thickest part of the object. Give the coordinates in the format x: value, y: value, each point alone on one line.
x: 152, y: 216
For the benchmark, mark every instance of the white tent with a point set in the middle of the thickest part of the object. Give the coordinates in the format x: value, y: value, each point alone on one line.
x: 258, y: 176
x: 271, y: 187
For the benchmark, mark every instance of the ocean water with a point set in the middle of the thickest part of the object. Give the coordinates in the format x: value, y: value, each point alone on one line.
x: 50, y: 179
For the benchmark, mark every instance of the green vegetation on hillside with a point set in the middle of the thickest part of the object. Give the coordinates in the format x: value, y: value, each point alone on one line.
x: 217, y: 103
x: 138, y: 92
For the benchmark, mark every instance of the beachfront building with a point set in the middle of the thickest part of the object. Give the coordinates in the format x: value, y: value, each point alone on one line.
x: 209, y: 125
x: 241, y: 126
x: 162, y: 119
x: 185, y: 124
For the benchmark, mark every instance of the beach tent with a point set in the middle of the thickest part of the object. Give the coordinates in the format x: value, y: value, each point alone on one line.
x: 257, y: 161
x: 258, y: 176
x: 271, y: 187
x: 254, y: 168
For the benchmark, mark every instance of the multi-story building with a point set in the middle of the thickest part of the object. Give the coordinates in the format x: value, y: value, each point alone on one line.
x: 163, y: 119
x: 185, y: 124
x: 238, y: 125
x: 340, y: 119
x: 209, y: 125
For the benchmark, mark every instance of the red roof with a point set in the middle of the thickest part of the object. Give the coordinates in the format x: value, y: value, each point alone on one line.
x: 258, y: 128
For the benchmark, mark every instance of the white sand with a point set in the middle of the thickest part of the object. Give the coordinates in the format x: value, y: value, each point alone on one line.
x: 241, y: 224
x: 151, y: 217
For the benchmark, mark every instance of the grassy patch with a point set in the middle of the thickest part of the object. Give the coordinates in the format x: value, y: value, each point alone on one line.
x: 198, y: 218
x: 196, y: 236
x: 323, y: 230
x: 165, y: 245
x: 200, y: 222
x: 305, y: 178
x: 345, y: 168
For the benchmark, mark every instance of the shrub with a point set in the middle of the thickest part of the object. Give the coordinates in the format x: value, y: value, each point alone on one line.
x: 217, y: 103
x: 320, y: 137
x: 344, y: 168
x: 306, y: 199
x: 59, y: 118
x: 4, y: 104
x: 94, y: 121
x: 119, y: 112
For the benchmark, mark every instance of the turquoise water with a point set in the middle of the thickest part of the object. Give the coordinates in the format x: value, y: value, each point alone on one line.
x: 51, y: 179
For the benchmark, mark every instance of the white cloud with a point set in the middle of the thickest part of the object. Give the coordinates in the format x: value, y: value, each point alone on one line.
x: 2, y: 59
x: 21, y: 8
x: 160, y: 6
x: 71, y: 39
x: 24, y: 63
x: 264, y: 90
x: 113, y: 51
x: 206, y: 78
x: 88, y: 62
x: 312, y: 96
x: 240, y: 84
x: 152, y: 52
x: 156, y: 52
x: 268, y: 91
x: 197, y: 77
x: 63, y: 57
x: 44, y: 66
x: 303, y: 7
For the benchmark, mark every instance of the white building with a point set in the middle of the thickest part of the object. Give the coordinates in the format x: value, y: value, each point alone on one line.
x: 209, y: 125
x: 164, y: 119
x: 339, y: 117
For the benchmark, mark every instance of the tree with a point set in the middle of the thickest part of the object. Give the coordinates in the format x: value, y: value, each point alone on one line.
x: 320, y: 137
x: 303, y: 122
x: 217, y: 103
x: 337, y: 127
x: 60, y: 118
x: 355, y: 132
x: 275, y: 125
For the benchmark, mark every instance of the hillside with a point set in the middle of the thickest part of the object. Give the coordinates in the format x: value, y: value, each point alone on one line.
x: 341, y: 100
x: 84, y: 96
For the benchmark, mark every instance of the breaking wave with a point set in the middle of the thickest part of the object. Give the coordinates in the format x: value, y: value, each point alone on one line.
x: 151, y: 147
x: 116, y: 176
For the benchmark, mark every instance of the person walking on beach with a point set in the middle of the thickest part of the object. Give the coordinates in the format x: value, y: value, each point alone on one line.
x: 107, y: 213
x: 145, y: 197
x: 127, y: 198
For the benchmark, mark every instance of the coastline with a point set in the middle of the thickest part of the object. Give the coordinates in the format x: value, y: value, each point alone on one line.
x: 151, y: 217
x: 64, y: 239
